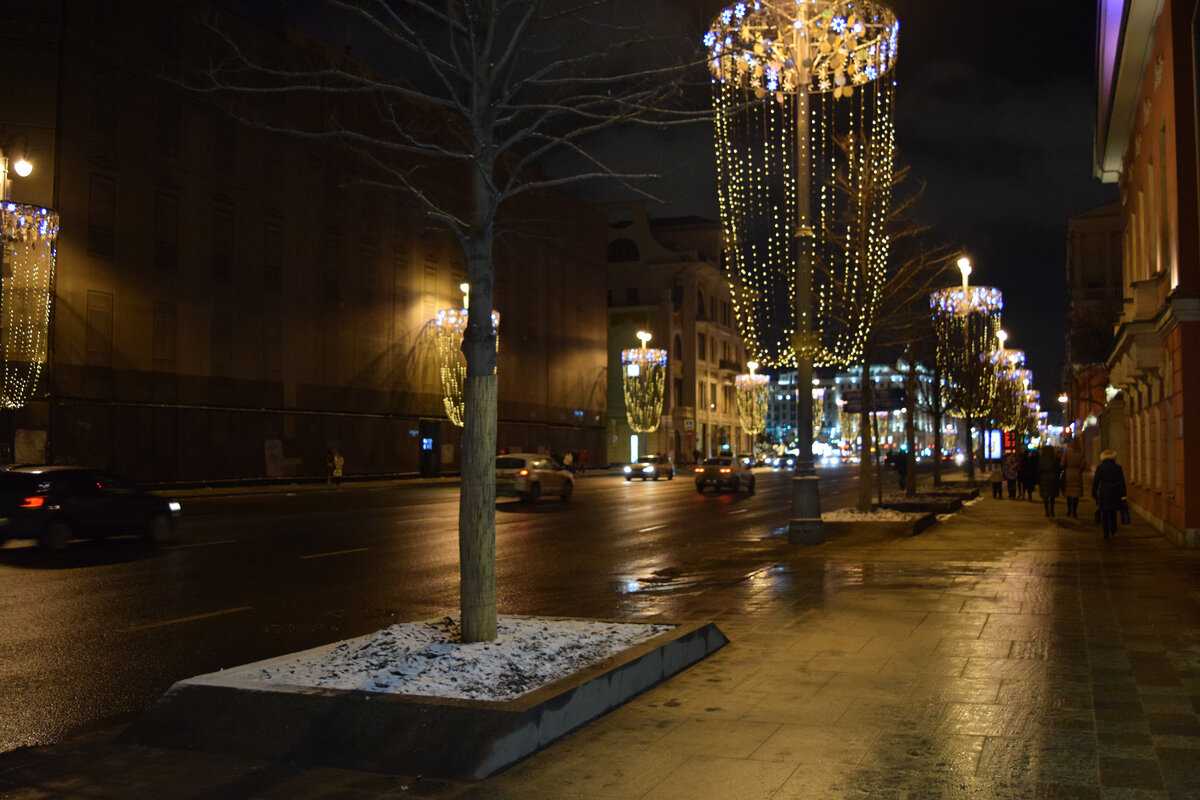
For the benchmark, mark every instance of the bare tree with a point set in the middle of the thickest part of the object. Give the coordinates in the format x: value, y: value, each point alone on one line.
x: 466, y: 100
x: 913, y: 271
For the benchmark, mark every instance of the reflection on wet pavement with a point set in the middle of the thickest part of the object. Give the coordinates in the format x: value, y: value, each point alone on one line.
x: 996, y: 655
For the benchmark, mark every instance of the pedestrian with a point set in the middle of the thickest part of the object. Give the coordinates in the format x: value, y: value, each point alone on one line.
x: 1048, y: 468
x: 568, y: 461
x: 1012, y: 471
x: 996, y: 478
x: 338, y: 463
x: 1029, y: 472
x: 902, y: 469
x: 1108, y: 490
x: 1073, y: 467
x: 328, y: 465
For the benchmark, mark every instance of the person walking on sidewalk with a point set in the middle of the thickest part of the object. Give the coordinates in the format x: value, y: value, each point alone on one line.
x: 1029, y: 465
x: 1073, y: 467
x: 1012, y: 472
x: 1108, y: 490
x: 996, y: 478
x: 1048, y: 467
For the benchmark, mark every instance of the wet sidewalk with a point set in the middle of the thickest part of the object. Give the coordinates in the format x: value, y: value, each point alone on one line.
x: 998, y: 654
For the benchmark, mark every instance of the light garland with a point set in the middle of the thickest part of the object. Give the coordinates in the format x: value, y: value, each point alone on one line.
x: 779, y: 52
x: 643, y: 376
x: 451, y: 325
x: 30, y: 233
x: 752, y: 394
x: 966, y: 321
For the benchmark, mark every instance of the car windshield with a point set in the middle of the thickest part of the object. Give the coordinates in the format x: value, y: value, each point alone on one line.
x: 650, y: 460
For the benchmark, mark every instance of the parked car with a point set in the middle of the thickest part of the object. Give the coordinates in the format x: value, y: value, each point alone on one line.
x: 529, y: 476
x: 724, y: 472
x: 54, y: 504
x: 650, y: 468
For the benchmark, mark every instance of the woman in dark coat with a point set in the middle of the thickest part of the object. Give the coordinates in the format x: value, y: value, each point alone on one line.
x: 1028, y: 478
x: 1108, y: 490
x: 1049, y: 465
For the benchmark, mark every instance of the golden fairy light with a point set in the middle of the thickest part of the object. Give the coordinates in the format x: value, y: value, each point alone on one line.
x: 451, y: 324
x: 643, y: 375
x: 777, y: 160
x: 967, y: 320
x: 752, y: 395
x: 26, y: 286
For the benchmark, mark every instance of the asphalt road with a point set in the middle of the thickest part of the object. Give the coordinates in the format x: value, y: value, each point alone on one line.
x: 93, y: 635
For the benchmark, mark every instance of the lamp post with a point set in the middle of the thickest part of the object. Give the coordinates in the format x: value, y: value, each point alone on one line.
x: 780, y: 52
x: 451, y: 324
x: 967, y: 321
x: 643, y: 378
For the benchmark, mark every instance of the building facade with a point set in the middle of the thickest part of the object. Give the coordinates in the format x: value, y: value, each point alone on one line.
x: 232, y: 302
x: 1146, y: 142
x: 664, y: 277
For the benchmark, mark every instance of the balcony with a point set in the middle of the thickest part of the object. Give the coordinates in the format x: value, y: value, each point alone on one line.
x: 729, y: 365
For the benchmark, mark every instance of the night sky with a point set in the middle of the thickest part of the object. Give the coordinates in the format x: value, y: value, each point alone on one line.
x: 994, y: 113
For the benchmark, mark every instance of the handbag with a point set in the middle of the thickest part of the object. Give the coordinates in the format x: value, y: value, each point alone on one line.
x: 1124, y: 512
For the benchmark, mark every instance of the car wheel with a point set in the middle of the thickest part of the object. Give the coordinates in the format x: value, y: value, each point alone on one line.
x: 56, y: 536
x: 158, y: 528
x: 628, y: 478
x: 567, y: 490
x: 535, y: 493
x: 671, y: 475
x: 700, y: 489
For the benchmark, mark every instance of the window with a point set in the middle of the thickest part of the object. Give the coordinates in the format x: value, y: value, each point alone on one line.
x: 700, y: 395
x: 222, y: 240
x: 677, y: 350
x: 678, y: 391
x: 701, y: 346
x: 699, y: 304
x: 99, y: 329
x: 222, y: 345
x: 273, y: 251
x: 631, y: 296
x: 102, y: 215
x: 164, y: 334
x: 105, y: 104
x: 166, y: 231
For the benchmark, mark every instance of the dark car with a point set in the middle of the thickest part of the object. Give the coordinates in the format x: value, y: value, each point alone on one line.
x: 54, y: 504
x: 724, y: 472
x: 650, y: 468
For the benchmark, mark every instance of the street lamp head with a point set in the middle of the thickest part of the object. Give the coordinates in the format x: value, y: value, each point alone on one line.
x: 751, y: 365
x: 644, y: 336
x: 22, y: 167
x: 964, y: 266
x: 1002, y: 335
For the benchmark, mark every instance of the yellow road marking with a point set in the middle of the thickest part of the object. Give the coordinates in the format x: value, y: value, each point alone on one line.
x: 191, y: 618
x: 336, y: 553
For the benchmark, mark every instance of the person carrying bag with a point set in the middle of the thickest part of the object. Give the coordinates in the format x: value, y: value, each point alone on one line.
x: 1108, y: 490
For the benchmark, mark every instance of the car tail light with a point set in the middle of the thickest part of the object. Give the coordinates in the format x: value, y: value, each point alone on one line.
x: 33, y: 501
x: 726, y: 469
x: 698, y: 470
x: 523, y: 472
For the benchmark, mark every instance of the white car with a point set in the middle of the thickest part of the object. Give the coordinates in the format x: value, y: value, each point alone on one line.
x: 529, y: 476
x: 650, y: 468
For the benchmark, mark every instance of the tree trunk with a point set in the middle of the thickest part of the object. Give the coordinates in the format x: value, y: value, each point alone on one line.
x: 477, y: 498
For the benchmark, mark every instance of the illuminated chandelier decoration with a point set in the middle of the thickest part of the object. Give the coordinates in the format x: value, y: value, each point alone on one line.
x: 752, y: 393
x: 966, y: 322
x: 451, y: 324
x: 777, y: 160
x: 643, y: 374
x: 29, y: 236
x: 1011, y: 379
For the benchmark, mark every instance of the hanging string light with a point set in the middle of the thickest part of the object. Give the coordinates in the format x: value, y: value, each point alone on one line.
x: 29, y: 237
x: 966, y: 321
x: 643, y: 374
x: 777, y: 164
x: 1011, y: 378
x: 752, y: 395
x: 451, y: 324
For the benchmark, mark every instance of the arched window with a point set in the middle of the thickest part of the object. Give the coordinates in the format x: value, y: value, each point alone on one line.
x: 622, y: 250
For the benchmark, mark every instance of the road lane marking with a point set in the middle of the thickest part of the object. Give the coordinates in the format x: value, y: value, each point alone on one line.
x: 178, y: 620
x: 199, y: 544
x: 651, y: 528
x: 336, y: 553
x: 739, y: 511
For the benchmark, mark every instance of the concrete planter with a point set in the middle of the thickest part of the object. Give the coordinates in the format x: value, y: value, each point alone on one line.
x: 914, y: 524
x: 406, y: 734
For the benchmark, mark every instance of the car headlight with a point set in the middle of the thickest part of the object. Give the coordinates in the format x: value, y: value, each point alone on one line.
x: 647, y: 470
x: 629, y: 469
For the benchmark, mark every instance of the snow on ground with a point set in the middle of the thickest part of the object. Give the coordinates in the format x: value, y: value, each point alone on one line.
x: 426, y: 658
x: 878, y: 515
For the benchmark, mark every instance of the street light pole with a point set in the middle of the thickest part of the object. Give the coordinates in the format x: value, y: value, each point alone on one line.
x: 804, y: 526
